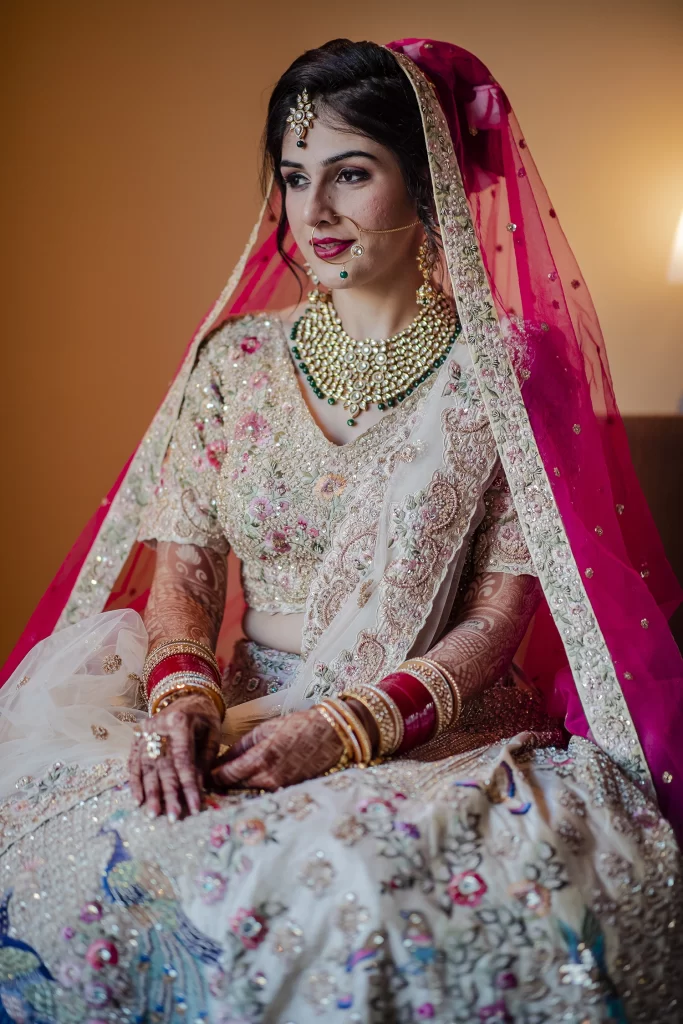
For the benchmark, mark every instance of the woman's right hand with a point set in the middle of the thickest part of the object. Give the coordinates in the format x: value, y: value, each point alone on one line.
x: 190, y: 735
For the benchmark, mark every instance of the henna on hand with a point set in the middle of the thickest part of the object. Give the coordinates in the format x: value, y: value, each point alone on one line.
x: 192, y: 726
x: 187, y: 598
x: 491, y: 624
x: 280, y: 752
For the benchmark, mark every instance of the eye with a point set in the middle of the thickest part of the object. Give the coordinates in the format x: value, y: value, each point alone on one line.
x: 295, y: 180
x: 351, y: 175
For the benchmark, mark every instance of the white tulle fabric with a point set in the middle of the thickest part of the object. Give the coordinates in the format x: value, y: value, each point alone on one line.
x: 72, y: 699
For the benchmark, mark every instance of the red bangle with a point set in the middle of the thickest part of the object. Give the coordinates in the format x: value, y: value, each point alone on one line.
x: 180, y: 663
x: 416, y: 706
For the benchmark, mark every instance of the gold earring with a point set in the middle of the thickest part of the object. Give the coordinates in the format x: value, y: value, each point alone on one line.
x: 426, y: 261
x: 309, y: 273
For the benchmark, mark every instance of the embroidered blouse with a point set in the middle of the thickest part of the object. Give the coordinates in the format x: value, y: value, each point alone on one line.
x: 249, y: 468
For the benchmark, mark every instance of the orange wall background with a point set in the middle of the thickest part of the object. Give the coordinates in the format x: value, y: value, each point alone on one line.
x: 128, y: 186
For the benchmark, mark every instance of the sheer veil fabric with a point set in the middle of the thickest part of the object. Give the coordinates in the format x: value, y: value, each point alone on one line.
x: 541, y: 401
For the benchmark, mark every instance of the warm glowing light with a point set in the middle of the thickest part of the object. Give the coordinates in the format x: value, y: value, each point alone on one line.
x: 675, y: 274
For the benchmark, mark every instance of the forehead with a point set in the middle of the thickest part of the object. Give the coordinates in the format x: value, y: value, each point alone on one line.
x: 323, y: 141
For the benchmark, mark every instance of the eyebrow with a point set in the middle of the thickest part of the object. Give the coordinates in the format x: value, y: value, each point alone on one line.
x: 332, y: 159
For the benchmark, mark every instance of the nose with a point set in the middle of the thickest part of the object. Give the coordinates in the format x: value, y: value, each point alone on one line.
x: 318, y: 208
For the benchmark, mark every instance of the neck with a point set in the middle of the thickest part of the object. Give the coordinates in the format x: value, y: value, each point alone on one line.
x: 382, y: 308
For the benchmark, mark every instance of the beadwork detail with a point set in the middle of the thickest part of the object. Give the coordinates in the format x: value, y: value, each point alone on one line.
x: 358, y: 373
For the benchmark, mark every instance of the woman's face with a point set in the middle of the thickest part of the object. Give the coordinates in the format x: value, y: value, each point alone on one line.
x: 340, y: 175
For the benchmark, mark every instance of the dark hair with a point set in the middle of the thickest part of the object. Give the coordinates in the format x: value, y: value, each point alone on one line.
x: 362, y: 87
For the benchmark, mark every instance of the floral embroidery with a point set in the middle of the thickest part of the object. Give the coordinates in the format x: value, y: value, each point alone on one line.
x: 467, y: 889
x: 249, y: 927
x: 330, y: 486
x: 250, y: 344
x: 534, y: 897
x: 212, y: 886
x: 253, y: 427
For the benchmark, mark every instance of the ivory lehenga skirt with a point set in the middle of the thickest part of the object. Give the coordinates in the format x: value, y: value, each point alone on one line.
x: 499, y: 875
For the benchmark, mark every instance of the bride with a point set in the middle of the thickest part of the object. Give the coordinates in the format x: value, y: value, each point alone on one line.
x: 356, y: 701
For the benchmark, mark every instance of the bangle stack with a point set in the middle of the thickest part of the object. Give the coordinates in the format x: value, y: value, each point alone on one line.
x: 349, y: 728
x: 178, y: 667
x: 442, y: 686
x: 385, y: 712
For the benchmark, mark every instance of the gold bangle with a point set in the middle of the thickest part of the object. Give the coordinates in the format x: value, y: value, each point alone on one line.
x: 438, y: 688
x: 190, y: 683
x: 356, y: 728
x: 172, y: 647
x: 351, y: 738
x: 345, y: 757
x: 457, y: 693
x: 385, y: 713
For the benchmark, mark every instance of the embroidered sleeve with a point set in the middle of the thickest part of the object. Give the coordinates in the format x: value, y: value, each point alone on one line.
x: 499, y: 543
x: 184, y: 507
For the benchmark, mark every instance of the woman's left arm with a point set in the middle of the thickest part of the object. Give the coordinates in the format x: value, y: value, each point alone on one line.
x: 490, y: 627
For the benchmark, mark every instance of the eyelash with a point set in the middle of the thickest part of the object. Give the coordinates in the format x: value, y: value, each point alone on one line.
x: 292, y: 180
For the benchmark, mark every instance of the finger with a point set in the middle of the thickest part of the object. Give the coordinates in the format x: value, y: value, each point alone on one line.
x: 182, y: 747
x: 135, y: 772
x: 237, y: 771
x: 150, y: 782
x: 267, y: 778
x: 256, y: 735
x: 168, y: 778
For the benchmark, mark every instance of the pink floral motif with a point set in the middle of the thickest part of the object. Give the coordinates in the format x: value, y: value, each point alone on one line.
x: 313, y: 532
x: 467, y: 889
x: 96, y: 994
x: 250, y: 344
x: 330, y: 486
x: 212, y: 886
x: 302, y: 523
x: 259, y: 380
x: 260, y: 508
x: 219, y: 835
x: 91, y: 912
x: 253, y: 427
x: 249, y: 927
x: 426, y: 1011
x: 215, y: 449
x: 102, y: 953
x: 277, y: 541
x: 251, y: 831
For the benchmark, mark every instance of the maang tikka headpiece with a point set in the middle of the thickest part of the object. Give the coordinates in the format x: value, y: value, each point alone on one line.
x: 301, y: 118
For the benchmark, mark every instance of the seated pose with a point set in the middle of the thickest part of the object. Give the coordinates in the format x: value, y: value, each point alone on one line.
x: 431, y: 771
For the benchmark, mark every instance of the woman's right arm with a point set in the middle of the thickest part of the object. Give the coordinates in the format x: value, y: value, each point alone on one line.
x: 186, y: 602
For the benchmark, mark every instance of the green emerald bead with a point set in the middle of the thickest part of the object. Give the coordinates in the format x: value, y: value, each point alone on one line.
x: 320, y: 394
x: 391, y: 402
x: 350, y: 423
x: 400, y: 397
x: 381, y: 406
x: 330, y: 401
x: 344, y: 274
x: 302, y: 366
x: 310, y: 378
x: 437, y: 364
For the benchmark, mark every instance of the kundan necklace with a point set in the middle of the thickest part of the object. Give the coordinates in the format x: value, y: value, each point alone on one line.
x: 358, y: 373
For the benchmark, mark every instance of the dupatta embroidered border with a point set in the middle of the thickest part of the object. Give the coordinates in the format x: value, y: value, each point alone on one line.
x: 589, y: 658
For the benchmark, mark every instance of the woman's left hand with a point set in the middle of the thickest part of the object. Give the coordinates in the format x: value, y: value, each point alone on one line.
x: 280, y: 752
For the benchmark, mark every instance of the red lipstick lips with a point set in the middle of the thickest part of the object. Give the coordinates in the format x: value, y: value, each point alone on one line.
x: 328, y: 248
